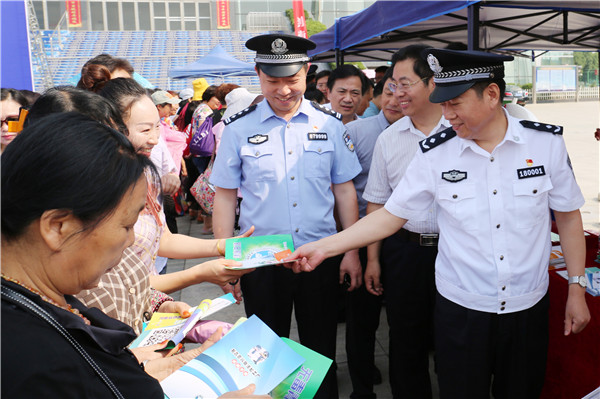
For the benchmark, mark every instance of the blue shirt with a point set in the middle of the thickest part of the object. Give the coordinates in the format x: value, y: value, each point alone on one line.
x: 285, y: 170
x: 364, y: 134
x: 371, y: 110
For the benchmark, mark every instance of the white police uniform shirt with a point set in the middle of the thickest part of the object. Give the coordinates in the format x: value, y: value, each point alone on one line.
x: 364, y: 134
x: 285, y: 170
x: 493, y: 213
x: 394, y: 150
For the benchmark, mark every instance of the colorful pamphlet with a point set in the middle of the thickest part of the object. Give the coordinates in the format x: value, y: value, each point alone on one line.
x: 306, y: 379
x: 173, y: 327
x: 251, y: 353
x: 259, y: 251
x: 557, y: 260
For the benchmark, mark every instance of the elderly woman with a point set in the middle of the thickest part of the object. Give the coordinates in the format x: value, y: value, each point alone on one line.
x: 56, y: 244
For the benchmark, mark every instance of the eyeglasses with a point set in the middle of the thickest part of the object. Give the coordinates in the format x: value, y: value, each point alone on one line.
x: 403, y: 84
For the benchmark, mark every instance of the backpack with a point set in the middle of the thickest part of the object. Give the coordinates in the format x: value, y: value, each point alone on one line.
x: 203, y: 140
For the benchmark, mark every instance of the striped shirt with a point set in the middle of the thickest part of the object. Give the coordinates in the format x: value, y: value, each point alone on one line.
x: 394, y: 150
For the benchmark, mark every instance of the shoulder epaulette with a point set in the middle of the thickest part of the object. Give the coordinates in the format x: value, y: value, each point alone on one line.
x: 543, y: 127
x: 240, y: 114
x: 436, y: 139
x: 326, y: 110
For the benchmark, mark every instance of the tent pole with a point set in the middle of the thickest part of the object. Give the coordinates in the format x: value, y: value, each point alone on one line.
x: 473, y: 27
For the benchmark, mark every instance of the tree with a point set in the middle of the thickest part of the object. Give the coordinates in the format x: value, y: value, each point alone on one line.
x: 588, y: 61
x: 312, y: 26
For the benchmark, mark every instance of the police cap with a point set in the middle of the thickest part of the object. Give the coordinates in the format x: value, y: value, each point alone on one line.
x: 455, y: 72
x: 280, y: 55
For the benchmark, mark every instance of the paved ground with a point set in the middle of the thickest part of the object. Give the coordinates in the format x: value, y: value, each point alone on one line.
x: 580, y: 121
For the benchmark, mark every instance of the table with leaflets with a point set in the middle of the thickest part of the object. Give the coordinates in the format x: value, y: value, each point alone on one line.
x: 573, y: 368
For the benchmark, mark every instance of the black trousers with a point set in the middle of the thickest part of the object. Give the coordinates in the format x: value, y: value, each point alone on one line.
x: 476, y: 350
x: 409, y: 291
x: 272, y: 292
x: 362, y: 320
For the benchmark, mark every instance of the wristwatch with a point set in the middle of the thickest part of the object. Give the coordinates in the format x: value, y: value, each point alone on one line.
x: 578, y: 280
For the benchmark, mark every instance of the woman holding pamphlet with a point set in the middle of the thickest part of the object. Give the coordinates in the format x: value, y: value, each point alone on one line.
x: 125, y: 292
x: 54, y: 246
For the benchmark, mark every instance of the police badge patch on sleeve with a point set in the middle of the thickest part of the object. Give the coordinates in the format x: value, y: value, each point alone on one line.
x: 348, y: 141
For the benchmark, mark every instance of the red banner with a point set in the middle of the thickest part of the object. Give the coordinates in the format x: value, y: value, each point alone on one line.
x: 74, y: 13
x: 223, y: 21
x: 299, y: 21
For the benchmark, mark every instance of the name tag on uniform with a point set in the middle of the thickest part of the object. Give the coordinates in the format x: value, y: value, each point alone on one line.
x: 317, y: 136
x: 534, y: 171
x: 258, y: 139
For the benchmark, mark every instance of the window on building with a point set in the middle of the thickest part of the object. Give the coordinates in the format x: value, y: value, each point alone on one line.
x: 160, y: 20
x: 128, y: 16
x: 112, y: 15
x: 39, y: 13
x: 204, y: 16
x: 144, y: 16
x: 97, y: 21
x: 55, y: 13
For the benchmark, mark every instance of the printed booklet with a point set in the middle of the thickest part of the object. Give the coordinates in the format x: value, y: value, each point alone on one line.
x: 173, y: 327
x: 259, y: 251
x: 249, y: 353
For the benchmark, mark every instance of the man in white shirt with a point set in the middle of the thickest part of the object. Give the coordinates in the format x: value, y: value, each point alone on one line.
x: 408, y: 256
x: 494, y: 180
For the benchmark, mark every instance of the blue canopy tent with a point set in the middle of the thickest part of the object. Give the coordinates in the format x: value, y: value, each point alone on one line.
x: 376, y: 32
x: 216, y: 64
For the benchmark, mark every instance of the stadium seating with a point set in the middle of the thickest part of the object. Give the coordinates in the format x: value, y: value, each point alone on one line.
x: 152, y: 53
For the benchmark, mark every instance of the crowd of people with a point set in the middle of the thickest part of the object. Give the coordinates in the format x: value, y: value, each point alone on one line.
x: 94, y: 177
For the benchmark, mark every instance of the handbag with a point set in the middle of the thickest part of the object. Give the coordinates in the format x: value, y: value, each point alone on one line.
x: 21, y: 300
x: 203, y: 140
x: 203, y: 191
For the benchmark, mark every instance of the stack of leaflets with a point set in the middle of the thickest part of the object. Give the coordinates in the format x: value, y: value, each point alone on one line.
x: 557, y: 260
x: 173, y: 327
x: 259, y: 251
x: 251, y: 353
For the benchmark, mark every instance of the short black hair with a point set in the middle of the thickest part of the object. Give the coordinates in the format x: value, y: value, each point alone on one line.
x: 210, y: 92
x: 80, y: 165
x: 321, y: 74
x: 346, y: 71
x: 68, y: 98
x: 16, y: 95
x: 479, y: 87
x: 382, y: 68
x: 379, y: 86
x: 413, y: 52
x: 313, y: 94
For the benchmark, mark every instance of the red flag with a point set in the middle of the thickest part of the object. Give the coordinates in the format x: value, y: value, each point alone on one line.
x: 299, y: 21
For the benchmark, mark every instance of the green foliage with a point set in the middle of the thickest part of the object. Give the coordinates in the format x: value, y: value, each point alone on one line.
x: 586, y: 59
x: 527, y: 86
x: 312, y: 26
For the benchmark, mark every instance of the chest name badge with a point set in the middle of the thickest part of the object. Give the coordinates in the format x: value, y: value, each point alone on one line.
x: 454, y: 176
x: 534, y: 171
x: 348, y: 141
x: 317, y: 136
x: 258, y: 139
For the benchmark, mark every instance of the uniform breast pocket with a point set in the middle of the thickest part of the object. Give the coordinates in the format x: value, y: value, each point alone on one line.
x: 258, y: 162
x: 317, y: 158
x: 459, y: 202
x: 531, y: 200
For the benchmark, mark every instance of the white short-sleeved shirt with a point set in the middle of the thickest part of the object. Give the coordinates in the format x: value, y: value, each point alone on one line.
x: 394, y: 150
x: 493, y: 213
x: 285, y: 169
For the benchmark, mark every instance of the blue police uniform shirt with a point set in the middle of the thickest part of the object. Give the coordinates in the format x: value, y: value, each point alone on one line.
x: 285, y: 170
x: 364, y: 134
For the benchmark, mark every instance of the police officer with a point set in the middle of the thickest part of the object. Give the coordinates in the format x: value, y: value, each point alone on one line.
x: 494, y: 180
x: 292, y: 160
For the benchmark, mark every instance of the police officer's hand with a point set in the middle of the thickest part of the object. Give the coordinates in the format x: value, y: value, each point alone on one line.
x: 577, y: 314
x: 373, y: 277
x: 351, y: 265
x: 306, y: 258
